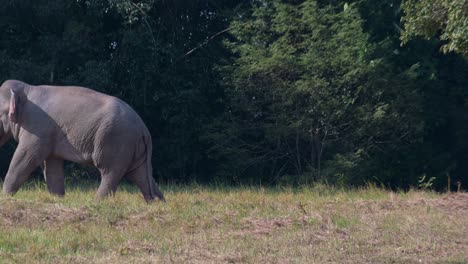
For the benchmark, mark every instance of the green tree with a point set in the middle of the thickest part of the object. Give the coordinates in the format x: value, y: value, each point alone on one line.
x: 300, y: 94
x: 446, y: 19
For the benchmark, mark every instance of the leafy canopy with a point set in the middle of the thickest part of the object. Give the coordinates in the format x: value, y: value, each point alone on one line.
x: 446, y: 19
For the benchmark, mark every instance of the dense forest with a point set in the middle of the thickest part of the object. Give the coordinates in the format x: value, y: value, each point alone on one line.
x: 265, y: 91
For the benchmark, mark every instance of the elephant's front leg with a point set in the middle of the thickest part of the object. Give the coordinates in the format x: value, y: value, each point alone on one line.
x: 23, y: 163
x: 54, y: 176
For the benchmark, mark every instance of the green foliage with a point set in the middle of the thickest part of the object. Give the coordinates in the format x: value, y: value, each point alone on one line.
x: 131, y: 11
x: 270, y: 92
x: 305, y: 90
x: 446, y: 19
x: 425, y: 184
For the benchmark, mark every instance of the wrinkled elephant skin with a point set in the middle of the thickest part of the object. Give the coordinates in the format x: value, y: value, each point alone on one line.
x: 56, y: 123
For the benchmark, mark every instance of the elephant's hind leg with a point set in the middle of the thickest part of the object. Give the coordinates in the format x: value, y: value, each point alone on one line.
x: 148, y: 187
x: 109, y: 182
x: 54, y: 176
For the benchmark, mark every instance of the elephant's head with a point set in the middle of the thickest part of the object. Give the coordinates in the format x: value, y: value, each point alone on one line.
x: 9, y: 108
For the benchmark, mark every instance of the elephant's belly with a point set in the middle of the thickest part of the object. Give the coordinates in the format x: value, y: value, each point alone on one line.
x: 67, y: 151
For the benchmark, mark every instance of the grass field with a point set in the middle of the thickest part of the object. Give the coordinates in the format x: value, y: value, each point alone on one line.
x: 234, y: 225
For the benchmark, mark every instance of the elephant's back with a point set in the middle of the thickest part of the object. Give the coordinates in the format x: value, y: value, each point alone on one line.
x: 89, y: 121
x: 119, y: 120
x: 72, y: 97
x: 83, y: 104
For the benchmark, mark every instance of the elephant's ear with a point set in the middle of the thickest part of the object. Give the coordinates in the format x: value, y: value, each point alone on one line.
x: 13, y: 114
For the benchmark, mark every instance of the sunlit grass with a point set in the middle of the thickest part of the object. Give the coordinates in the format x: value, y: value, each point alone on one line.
x: 218, y: 224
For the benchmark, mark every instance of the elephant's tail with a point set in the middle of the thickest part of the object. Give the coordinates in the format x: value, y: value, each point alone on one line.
x: 153, y: 186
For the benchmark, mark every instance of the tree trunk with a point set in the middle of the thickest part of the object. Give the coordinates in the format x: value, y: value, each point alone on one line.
x: 298, y: 155
x: 316, y: 151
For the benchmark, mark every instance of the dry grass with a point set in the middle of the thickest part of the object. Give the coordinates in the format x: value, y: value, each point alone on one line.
x: 246, y: 225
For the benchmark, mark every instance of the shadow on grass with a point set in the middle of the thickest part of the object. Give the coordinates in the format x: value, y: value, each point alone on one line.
x: 91, y: 184
x: 84, y: 185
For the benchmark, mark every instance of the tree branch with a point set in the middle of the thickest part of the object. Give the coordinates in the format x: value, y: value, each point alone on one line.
x: 205, y: 42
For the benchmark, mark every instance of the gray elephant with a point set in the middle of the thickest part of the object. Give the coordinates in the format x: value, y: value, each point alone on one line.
x: 52, y: 124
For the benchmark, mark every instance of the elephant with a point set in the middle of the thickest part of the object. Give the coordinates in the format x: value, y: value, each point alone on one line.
x: 52, y: 124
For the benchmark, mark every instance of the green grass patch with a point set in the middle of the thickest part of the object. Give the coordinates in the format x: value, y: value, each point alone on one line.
x: 218, y: 224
